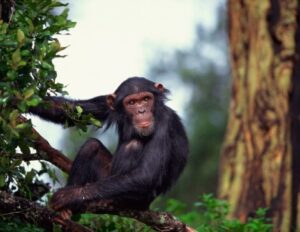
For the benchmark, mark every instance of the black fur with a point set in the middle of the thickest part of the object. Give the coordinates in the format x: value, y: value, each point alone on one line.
x: 141, y: 168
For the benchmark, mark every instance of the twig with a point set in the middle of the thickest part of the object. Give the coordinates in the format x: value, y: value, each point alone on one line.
x: 24, y: 157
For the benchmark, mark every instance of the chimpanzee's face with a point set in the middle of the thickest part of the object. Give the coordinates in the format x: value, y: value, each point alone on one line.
x: 140, y: 108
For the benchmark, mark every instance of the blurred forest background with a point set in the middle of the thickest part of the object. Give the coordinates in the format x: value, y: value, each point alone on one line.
x: 204, y: 72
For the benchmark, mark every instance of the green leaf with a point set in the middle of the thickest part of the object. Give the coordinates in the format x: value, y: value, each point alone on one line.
x: 34, y: 101
x: 95, y: 122
x: 55, y: 46
x: 13, y: 117
x: 3, y: 100
x: 16, y: 162
x: 8, y: 43
x: 22, y: 106
x: 22, y: 126
x: 79, y: 110
x: 20, y: 36
x: 28, y: 93
x: 30, y: 25
x: 22, y: 63
x: 12, y: 132
x: 47, y: 66
x: 29, y: 176
x: 11, y: 75
x: 16, y: 57
x: 2, y: 181
x: 25, y: 53
x: 71, y: 24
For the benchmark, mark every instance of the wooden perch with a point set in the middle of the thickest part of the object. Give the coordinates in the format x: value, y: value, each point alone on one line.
x: 159, y: 221
x: 32, y: 212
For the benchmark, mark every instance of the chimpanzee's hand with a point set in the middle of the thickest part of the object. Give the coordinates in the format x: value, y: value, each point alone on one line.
x: 67, y: 198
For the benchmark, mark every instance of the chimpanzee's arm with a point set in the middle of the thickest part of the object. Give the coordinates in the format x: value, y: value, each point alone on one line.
x: 111, y: 188
x: 55, y: 109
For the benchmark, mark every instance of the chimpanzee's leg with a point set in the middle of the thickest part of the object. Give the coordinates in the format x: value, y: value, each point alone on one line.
x: 92, y: 163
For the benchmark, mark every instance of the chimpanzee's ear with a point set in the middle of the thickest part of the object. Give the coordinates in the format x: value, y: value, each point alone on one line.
x: 110, y: 100
x: 160, y: 87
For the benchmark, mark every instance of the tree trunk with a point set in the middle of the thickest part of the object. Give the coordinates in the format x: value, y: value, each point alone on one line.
x: 260, y: 161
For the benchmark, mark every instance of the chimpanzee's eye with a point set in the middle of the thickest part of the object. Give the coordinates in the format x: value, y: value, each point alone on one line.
x: 146, y: 99
x: 131, y: 102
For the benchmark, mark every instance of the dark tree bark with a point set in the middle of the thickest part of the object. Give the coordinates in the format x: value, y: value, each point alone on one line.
x: 260, y: 161
x: 6, y: 9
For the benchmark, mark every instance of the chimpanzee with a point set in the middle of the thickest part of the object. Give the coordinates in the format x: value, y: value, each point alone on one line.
x: 151, y: 153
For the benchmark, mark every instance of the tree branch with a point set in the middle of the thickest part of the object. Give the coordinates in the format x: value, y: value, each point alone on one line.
x: 31, y: 212
x: 24, y: 157
x: 47, y: 152
x: 159, y: 221
x: 53, y: 155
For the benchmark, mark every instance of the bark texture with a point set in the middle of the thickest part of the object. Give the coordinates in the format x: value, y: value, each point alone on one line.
x: 260, y: 157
